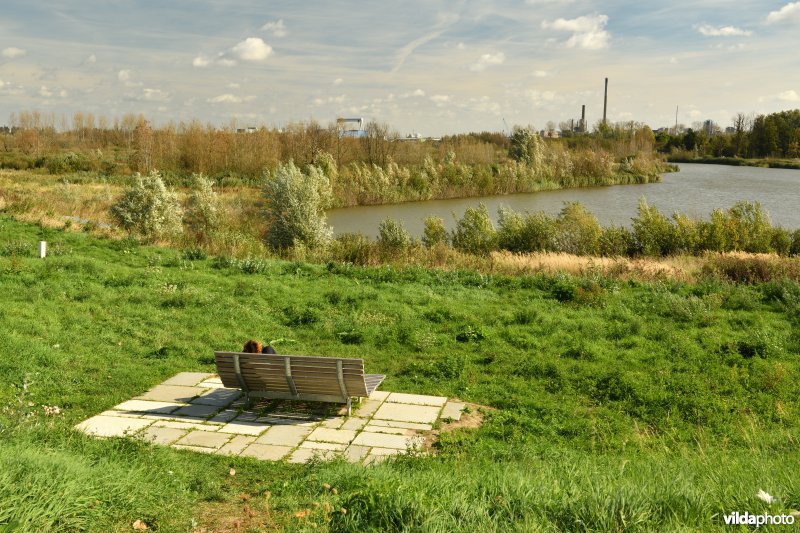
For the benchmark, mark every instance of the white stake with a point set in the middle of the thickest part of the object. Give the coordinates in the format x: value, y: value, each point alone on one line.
x: 42, y: 249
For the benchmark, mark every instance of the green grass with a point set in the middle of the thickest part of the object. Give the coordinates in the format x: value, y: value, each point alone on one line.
x: 767, y: 162
x: 616, y: 405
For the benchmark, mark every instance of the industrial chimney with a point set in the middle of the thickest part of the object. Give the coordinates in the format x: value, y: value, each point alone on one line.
x: 583, y: 118
x: 605, y: 102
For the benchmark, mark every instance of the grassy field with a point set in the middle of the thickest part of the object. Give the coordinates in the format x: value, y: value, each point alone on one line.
x: 615, y: 405
x: 791, y: 163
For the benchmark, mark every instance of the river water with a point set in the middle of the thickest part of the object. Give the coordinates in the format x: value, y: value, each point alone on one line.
x: 695, y: 191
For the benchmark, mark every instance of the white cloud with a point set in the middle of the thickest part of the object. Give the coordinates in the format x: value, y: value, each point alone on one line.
x: 723, y: 31
x: 487, y: 60
x: 278, y: 28
x: 233, y: 86
x: 588, y: 32
x: 44, y: 91
x: 201, y: 61
x: 338, y: 81
x: 12, y: 52
x: 789, y: 12
x: 91, y: 59
x: 541, y: 73
x: 789, y: 96
x: 63, y: 93
x: 124, y: 75
x: 229, y: 98
x: 419, y: 92
x: 154, y: 95
x: 440, y: 99
x: 252, y: 49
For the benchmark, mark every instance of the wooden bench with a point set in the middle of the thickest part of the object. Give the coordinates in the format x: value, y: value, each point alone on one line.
x: 296, y: 377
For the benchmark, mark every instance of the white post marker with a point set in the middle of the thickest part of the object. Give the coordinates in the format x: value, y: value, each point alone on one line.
x: 42, y: 249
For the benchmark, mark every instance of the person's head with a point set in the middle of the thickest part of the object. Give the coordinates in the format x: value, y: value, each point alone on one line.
x: 268, y: 350
x: 252, y: 346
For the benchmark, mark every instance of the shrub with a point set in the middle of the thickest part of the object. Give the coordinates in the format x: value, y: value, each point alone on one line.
x: 392, y: 235
x: 615, y: 241
x: 652, y: 231
x: 795, y: 246
x: 295, y: 210
x: 203, y: 209
x: 752, y: 231
x: 475, y: 232
x: 434, y: 232
x: 525, y: 233
x: 148, y: 209
x: 781, y: 241
x: 577, y: 230
x: 352, y: 248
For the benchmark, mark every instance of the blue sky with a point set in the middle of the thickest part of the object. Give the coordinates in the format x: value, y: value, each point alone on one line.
x: 429, y: 67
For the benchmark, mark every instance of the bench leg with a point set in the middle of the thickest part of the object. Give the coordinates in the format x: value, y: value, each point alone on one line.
x: 348, y: 407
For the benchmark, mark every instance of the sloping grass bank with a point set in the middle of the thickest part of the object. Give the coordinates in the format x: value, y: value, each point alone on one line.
x: 617, y: 405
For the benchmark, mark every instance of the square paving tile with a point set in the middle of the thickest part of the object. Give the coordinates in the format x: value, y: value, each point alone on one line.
x: 384, y: 440
x: 112, y: 426
x: 422, y: 414
x: 197, y: 411
x: 188, y: 379
x: 453, y: 410
x: 161, y: 435
x: 226, y: 415
x: 171, y: 393
x: 355, y: 454
x: 370, y: 428
x: 236, y: 445
x: 183, y: 425
x: 404, y: 425
x: 324, y: 446
x: 207, y: 439
x: 341, y: 436
x: 244, y: 428
x: 145, y: 406
x: 379, y: 395
x: 354, y: 423
x: 416, y: 399
x: 284, y: 435
x: 367, y: 408
x: 268, y: 452
x: 218, y: 397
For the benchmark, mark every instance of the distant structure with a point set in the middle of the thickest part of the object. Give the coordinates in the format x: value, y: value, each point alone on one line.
x: 582, y: 123
x: 249, y: 129
x: 605, y: 102
x: 351, y: 127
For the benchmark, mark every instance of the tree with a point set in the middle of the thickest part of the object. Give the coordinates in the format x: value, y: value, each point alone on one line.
x: 148, y: 209
x: 295, y: 207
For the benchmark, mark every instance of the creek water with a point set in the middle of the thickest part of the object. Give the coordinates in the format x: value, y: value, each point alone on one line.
x: 696, y: 190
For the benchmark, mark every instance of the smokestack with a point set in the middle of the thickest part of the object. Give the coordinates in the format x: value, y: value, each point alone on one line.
x: 605, y: 102
x: 583, y: 118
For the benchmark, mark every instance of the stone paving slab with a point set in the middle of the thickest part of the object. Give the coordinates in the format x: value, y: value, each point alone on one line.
x: 452, y: 410
x: 421, y: 414
x: 189, y: 379
x: 416, y: 399
x: 207, y: 439
x: 193, y: 411
x: 341, y: 436
x: 171, y: 393
x: 148, y: 407
x: 112, y: 426
x: 267, y: 452
x: 161, y: 435
x: 284, y: 435
x: 384, y: 440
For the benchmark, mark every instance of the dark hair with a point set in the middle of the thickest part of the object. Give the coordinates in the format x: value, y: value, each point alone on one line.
x: 268, y: 349
x: 252, y: 346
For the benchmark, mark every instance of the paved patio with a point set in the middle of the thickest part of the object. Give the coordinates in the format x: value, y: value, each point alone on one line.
x: 193, y: 411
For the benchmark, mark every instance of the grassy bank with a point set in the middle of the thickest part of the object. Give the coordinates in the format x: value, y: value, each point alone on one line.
x: 616, y: 405
x: 735, y: 161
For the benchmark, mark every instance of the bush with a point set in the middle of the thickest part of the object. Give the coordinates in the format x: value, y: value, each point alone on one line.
x: 577, y: 230
x: 352, y: 248
x: 392, y: 235
x: 434, y: 232
x: 295, y: 211
x: 525, y: 233
x: 615, y: 241
x: 475, y: 233
x: 795, y: 246
x: 148, y: 209
x: 203, y: 209
x: 653, y: 233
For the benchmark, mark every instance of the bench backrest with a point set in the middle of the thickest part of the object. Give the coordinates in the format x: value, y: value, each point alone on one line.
x: 295, y: 376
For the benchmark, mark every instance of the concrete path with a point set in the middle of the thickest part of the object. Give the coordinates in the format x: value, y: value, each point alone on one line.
x: 193, y: 411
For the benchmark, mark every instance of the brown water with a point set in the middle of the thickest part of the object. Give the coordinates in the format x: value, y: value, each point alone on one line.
x: 695, y: 191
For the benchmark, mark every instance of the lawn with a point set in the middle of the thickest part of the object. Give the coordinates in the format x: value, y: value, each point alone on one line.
x: 613, y: 405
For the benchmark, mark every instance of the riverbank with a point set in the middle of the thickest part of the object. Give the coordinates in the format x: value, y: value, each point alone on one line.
x: 738, y: 161
x: 615, y: 403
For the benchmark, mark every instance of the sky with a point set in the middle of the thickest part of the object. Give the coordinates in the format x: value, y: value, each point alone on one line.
x: 428, y: 67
